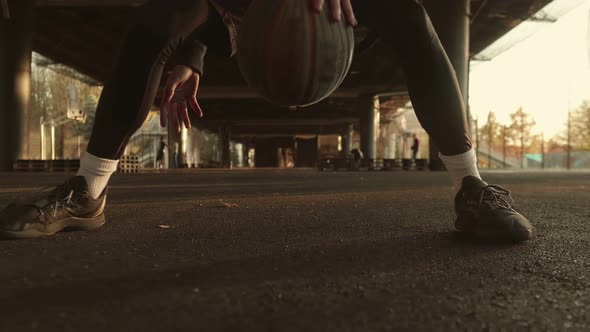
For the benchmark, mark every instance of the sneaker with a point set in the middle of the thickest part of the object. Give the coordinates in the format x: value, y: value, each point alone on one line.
x: 483, y: 213
x: 54, y: 209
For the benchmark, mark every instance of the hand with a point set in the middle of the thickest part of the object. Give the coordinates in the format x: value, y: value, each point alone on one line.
x: 181, y: 88
x: 336, y: 8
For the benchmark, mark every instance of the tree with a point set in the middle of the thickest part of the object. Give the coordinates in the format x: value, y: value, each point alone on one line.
x: 580, y: 127
x: 490, y: 135
x: 537, y: 144
x: 49, y: 100
x: 89, y: 108
x: 491, y: 132
x: 519, y: 132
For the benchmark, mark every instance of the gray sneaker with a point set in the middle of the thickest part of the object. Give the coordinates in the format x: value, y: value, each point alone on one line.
x: 66, y: 206
x: 484, y: 213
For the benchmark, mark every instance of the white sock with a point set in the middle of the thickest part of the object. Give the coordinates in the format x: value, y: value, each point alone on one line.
x: 460, y: 166
x: 97, y: 172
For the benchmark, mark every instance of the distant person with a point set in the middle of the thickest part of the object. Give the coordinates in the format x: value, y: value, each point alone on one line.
x: 415, y: 147
x: 186, y: 28
x: 357, y: 157
x: 160, y: 154
x: 357, y: 154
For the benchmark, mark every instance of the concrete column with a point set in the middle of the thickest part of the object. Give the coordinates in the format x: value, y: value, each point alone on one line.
x: 347, y: 134
x: 451, y: 19
x: 16, y: 35
x: 172, y: 147
x: 245, y: 150
x: 182, y: 148
x: 224, y: 146
x: 369, y: 126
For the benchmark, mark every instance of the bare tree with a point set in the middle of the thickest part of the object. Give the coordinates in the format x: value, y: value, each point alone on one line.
x: 520, y: 131
x: 490, y: 134
x: 89, y: 109
x: 580, y: 127
x: 49, y: 101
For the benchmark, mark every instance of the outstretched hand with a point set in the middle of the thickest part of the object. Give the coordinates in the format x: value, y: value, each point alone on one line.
x: 336, y: 8
x: 181, y: 89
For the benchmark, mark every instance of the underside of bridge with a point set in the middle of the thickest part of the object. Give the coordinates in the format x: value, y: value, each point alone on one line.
x: 86, y: 35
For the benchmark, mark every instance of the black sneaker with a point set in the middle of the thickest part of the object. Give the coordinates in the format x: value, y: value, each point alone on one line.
x: 65, y: 206
x: 484, y: 214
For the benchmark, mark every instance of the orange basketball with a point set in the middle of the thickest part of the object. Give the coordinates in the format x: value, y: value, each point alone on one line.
x: 292, y: 55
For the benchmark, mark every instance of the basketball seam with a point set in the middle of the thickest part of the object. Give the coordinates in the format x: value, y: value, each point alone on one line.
x: 267, y: 49
x: 312, y: 57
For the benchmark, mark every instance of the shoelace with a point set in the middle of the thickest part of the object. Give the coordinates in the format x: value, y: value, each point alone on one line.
x: 66, y: 201
x: 58, y: 196
x: 61, y: 196
x: 493, y: 194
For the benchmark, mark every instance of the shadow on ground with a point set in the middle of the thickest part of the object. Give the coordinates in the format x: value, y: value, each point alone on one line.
x: 301, y: 251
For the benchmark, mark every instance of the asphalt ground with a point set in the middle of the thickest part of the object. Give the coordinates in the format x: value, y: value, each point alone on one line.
x: 300, y: 250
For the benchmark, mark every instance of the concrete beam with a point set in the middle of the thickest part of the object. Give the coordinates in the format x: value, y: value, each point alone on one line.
x: 295, y: 122
x: 245, y: 92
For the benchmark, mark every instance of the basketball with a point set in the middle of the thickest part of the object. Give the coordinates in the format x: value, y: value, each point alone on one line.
x: 291, y: 55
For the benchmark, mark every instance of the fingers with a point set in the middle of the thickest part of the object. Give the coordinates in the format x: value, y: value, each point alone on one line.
x: 318, y: 5
x: 173, y: 120
x: 335, y: 10
x: 193, y: 98
x: 183, y: 113
x: 349, y: 12
x: 169, y: 90
x: 179, y: 113
x: 196, y: 107
x: 165, y: 103
x: 195, y: 86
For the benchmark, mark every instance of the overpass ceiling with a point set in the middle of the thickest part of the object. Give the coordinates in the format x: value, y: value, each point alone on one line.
x: 86, y: 35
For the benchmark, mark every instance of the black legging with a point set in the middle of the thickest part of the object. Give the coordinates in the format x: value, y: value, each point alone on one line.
x: 163, y: 25
x: 430, y: 77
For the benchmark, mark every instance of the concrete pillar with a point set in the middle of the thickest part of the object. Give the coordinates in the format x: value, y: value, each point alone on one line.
x: 347, y: 134
x: 390, y: 146
x: 246, y: 145
x: 16, y: 35
x: 193, y: 147
x: 181, y: 161
x: 172, y: 147
x: 224, y: 146
x: 369, y: 126
x: 451, y: 19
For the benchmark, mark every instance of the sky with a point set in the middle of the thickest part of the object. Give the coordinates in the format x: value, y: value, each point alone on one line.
x: 546, y: 74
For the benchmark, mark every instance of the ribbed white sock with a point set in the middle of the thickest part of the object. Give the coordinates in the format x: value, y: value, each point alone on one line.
x: 97, y: 172
x: 460, y: 166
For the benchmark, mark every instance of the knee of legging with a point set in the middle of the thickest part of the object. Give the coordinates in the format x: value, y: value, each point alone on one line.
x: 418, y: 21
x: 163, y: 24
x: 410, y: 20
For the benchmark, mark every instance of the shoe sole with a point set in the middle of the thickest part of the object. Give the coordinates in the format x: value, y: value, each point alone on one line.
x: 72, y: 223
